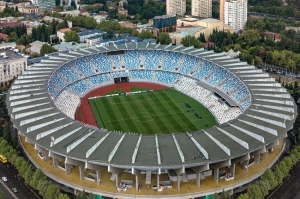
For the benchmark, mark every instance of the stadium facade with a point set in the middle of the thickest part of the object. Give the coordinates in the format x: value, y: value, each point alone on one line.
x: 258, y: 113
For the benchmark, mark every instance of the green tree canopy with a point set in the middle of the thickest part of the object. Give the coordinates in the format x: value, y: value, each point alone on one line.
x: 71, y: 36
x: 191, y: 41
x: 251, y: 37
x: 46, y: 49
x: 146, y: 34
x: 7, y: 132
x: 164, y: 38
x: 268, y: 175
x: 38, y: 175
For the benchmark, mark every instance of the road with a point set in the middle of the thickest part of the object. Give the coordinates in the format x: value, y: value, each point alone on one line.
x: 14, y: 181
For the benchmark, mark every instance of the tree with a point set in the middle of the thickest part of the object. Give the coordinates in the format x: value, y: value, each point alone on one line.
x: 191, y: 41
x: 135, y: 33
x: 244, y: 196
x: 84, y: 195
x: 72, y: 36
x: 52, y: 192
x: 251, y: 37
x: 7, y: 133
x: 283, y: 168
x: 278, y: 174
x: 42, y: 186
x: 13, y: 37
x: 63, y: 196
x: 46, y: 49
x: 36, y: 177
x: 146, y: 34
x: 164, y: 38
x: 23, y: 168
x: 202, y: 37
x: 269, y: 175
x: 225, y: 195
x: 19, y: 162
x: 254, y: 191
x: 1, y: 195
x: 28, y: 174
x: 264, y: 187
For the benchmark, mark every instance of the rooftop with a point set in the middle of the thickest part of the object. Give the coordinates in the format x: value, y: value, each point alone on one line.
x: 210, y: 20
x: 89, y: 32
x: 64, y: 30
x: 9, y: 55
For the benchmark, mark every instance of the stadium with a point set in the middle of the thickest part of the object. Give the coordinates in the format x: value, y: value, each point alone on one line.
x: 186, y: 119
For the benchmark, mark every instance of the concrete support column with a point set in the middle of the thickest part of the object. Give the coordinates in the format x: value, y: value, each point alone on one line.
x: 55, y: 163
x: 81, y: 172
x: 245, y: 164
x: 46, y: 156
x: 61, y: 2
x: 216, y: 175
x: 198, y: 176
x: 178, y: 182
x: 117, y: 179
x: 68, y: 168
x: 232, y: 169
x: 257, y: 158
x: 137, y: 182
x: 98, y: 174
x: 157, y: 182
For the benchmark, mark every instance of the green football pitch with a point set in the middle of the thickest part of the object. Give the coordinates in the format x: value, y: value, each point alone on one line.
x: 155, y: 112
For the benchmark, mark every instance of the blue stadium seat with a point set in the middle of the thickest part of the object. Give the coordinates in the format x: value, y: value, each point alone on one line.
x: 141, y: 74
x: 68, y: 72
x: 57, y: 81
x: 98, y: 79
x: 132, y: 59
x: 166, y: 77
x: 102, y: 62
x: 152, y: 58
x: 231, y: 84
x: 217, y: 77
x: 171, y: 60
x: 241, y: 93
x: 205, y: 69
x: 79, y: 87
x: 189, y: 64
x: 84, y: 66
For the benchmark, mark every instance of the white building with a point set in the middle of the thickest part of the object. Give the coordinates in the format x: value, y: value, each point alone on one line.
x: 202, y: 8
x: 90, y: 33
x: 177, y: 7
x: 61, y: 33
x: 11, y: 65
x: 234, y: 13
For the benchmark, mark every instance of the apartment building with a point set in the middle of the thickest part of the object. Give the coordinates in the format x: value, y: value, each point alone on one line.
x: 11, y: 65
x: 176, y: 7
x: 234, y: 13
x: 202, y: 8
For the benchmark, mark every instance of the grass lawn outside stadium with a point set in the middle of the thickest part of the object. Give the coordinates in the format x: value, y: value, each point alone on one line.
x: 155, y: 112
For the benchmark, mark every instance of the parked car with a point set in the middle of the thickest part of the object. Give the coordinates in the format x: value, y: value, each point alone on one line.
x: 15, y: 190
x: 4, y: 179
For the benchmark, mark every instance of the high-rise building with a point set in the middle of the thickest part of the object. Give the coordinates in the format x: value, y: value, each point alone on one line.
x: 176, y: 7
x: 202, y: 8
x: 234, y: 13
x: 166, y: 23
x: 45, y: 5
